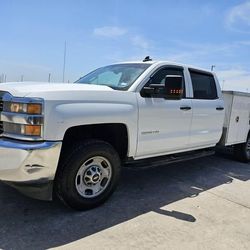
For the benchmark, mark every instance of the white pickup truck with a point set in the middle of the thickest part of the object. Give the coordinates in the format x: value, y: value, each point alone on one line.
x: 71, y: 140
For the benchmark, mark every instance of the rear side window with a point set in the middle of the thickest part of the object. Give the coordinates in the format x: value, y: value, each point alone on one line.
x: 204, y: 86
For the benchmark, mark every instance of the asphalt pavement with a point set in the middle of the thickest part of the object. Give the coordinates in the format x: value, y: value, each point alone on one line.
x: 198, y: 204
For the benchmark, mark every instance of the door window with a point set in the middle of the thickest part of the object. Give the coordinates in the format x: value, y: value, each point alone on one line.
x: 160, y: 76
x: 204, y: 86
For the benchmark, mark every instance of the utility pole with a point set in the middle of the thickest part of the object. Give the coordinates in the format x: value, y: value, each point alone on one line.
x: 3, y: 78
x: 212, y: 67
x: 64, y: 60
x: 49, y: 77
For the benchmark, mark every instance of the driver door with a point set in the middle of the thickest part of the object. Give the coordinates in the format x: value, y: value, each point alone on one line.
x: 164, y: 125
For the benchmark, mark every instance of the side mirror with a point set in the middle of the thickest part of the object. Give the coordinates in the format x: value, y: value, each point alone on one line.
x: 154, y: 89
x: 174, y: 87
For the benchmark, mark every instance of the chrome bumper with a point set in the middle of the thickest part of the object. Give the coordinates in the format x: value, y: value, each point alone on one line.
x: 28, y: 163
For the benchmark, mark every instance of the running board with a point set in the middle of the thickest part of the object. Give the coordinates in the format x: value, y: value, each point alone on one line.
x: 164, y: 160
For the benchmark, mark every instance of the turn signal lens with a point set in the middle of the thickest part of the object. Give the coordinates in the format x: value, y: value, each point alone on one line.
x: 34, y: 130
x: 34, y: 109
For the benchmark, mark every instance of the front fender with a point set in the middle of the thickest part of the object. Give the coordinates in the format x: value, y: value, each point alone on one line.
x: 63, y: 116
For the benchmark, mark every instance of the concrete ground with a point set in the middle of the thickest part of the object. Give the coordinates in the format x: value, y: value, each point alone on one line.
x: 199, y: 204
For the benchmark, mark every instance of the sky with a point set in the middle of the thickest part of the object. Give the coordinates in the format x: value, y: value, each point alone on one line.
x: 97, y: 33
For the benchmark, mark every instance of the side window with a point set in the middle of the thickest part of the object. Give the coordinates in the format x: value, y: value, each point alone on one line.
x: 160, y: 76
x: 204, y: 86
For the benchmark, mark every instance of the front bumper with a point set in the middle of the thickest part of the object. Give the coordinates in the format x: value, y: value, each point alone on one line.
x: 29, y: 166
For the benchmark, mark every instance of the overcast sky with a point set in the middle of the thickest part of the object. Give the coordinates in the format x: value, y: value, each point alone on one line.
x: 201, y: 33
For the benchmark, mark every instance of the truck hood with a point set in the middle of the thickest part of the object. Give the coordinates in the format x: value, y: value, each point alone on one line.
x: 41, y: 89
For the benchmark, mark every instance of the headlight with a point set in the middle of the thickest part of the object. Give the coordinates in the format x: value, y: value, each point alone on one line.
x: 26, y: 108
x: 22, y: 118
x: 22, y: 129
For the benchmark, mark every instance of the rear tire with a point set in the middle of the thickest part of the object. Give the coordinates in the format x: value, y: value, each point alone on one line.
x: 89, y: 175
x: 242, y: 151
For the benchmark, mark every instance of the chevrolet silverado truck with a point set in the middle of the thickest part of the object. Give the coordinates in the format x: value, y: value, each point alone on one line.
x: 70, y: 139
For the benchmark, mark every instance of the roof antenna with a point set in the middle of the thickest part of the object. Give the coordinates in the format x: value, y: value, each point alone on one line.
x: 147, y: 59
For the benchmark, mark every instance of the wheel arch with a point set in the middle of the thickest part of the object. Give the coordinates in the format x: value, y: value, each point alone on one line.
x: 116, y: 134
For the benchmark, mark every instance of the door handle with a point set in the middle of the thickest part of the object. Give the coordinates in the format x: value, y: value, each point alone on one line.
x: 220, y: 108
x: 185, y: 108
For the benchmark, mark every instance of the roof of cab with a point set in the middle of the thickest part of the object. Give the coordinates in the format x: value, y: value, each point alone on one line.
x: 154, y: 62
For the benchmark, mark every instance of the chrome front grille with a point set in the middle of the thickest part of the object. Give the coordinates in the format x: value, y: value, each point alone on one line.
x: 1, y: 128
x: 1, y: 109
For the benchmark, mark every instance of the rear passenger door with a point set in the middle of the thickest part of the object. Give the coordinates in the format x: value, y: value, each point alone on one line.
x: 208, y: 110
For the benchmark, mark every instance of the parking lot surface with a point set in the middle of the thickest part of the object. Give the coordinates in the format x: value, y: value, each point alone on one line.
x: 199, y: 204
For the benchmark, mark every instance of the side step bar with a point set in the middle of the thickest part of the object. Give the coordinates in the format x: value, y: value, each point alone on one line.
x: 164, y: 160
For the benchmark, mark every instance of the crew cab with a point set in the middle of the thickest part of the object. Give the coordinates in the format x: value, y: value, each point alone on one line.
x: 71, y: 139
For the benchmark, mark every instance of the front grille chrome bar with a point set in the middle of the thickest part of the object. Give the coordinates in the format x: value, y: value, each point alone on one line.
x: 1, y: 109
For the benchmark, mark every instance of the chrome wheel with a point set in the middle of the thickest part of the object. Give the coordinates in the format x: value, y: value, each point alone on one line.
x: 93, y: 177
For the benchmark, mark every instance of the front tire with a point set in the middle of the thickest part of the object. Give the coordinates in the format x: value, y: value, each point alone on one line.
x: 89, y: 175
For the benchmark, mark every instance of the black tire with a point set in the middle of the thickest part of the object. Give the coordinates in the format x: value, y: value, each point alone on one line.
x: 242, y: 151
x: 65, y: 181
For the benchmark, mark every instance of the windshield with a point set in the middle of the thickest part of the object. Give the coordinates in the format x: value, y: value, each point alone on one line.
x: 117, y: 76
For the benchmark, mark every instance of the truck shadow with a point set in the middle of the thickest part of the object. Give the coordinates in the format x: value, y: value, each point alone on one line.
x: 31, y: 224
